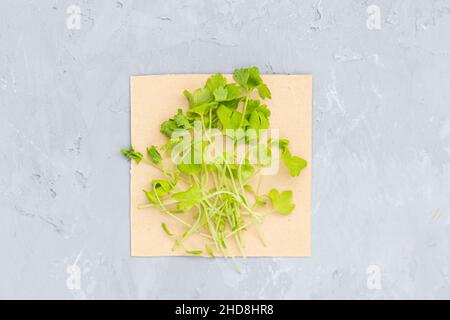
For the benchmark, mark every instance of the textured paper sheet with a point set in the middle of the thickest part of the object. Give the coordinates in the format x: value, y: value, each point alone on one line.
x: 156, y: 98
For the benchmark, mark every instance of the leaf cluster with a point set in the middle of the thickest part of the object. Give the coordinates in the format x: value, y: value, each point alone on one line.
x: 217, y: 200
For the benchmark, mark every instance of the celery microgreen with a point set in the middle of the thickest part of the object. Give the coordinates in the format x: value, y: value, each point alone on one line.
x: 217, y: 199
x: 281, y: 201
x: 154, y: 155
x: 132, y: 154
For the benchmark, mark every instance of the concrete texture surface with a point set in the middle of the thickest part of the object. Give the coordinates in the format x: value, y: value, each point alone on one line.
x: 381, y: 220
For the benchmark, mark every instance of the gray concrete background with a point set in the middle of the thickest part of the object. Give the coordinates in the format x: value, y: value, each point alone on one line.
x: 381, y: 144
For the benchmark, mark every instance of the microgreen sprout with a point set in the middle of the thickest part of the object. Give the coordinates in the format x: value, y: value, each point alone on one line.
x: 218, y: 200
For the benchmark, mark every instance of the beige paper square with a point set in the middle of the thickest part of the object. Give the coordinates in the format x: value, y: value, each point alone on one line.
x: 156, y: 98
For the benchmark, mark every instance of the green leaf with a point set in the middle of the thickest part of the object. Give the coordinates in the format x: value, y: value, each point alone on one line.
x: 249, y: 78
x: 154, y: 155
x: 252, y: 105
x: 216, y: 81
x: 160, y: 188
x: 189, y: 198
x: 254, y: 79
x: 199, y: 97
x: 295, y: 164
x: 232, y: 104
x: 221, y: 94
x: 202, y: 96
x: 258, y: 115
x: 264, y: 92
x: 132, y: 154
x: 189, y: 97
x: 282, y: 144
x: 202, y: 109
x: 233, y: 91
x: 263, y: 109
x: 189, y: 169
x: 166, y: 230
x: 191, y: 158
x: 247, y: 170
x: 230, y: 119
x: 151, y: 196
x: 282, y: 203
x: 241, y: 76
x: 168, y: 127
x: 258, y: 121
x: 181, y: 121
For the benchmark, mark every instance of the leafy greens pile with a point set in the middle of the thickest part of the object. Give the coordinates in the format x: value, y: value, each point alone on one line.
x: 218, y: 197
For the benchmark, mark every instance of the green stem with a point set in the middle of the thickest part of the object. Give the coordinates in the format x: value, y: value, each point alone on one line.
x: 245, y: 108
